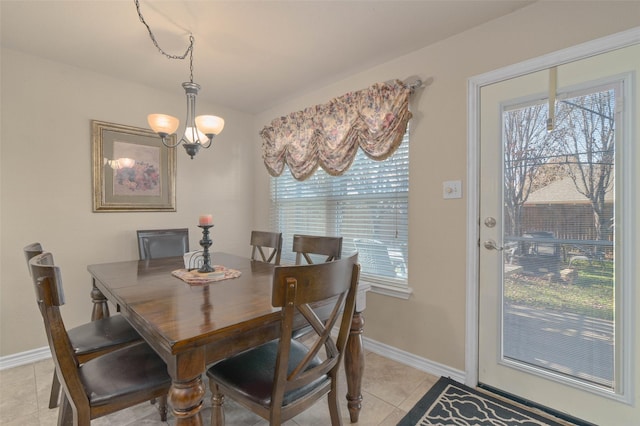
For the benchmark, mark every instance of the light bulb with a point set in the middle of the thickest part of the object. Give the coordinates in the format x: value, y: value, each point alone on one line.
x: 189, y: 135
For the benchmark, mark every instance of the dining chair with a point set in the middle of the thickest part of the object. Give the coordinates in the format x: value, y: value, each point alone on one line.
x: 92, y: 339
x: 306, y: 245
x: 284, y: 377
x: 158, y: 243
x: 105, y: 384
x: 268, y: 245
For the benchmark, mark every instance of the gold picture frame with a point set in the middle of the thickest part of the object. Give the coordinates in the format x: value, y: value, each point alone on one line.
x: 132, y: 170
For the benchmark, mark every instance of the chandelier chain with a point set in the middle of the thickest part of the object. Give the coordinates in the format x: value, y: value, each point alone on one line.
x: 189, y: 50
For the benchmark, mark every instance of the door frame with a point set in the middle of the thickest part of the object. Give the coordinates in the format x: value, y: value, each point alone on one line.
x: 474, y: 85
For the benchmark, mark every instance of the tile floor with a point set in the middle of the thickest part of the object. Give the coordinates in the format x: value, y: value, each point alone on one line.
x: 389, y: 389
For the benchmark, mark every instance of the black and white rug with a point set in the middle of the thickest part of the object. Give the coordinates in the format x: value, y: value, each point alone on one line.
x: 451, y: 403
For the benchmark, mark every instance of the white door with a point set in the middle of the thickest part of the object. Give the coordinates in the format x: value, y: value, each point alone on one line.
x: 555, y: 281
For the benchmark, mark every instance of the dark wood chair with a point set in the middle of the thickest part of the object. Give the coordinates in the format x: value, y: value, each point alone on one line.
x: 282, y: 378
x: 103, y: 385
x: 158, y: 243
x: 90, y: 340
x: 268, y: 245
x: 306, y: 245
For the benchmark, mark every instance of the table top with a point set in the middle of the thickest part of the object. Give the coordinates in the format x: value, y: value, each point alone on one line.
x: 175, y: 316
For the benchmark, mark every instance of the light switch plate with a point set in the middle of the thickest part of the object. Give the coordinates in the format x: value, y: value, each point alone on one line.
x: 452, y: 189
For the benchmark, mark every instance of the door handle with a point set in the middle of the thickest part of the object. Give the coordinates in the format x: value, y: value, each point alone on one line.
x: 491, y: 245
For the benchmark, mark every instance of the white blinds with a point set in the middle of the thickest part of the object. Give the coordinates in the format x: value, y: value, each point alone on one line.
x: 367, y: 206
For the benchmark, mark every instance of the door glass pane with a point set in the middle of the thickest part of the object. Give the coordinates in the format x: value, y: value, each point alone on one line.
x: 558, y: 280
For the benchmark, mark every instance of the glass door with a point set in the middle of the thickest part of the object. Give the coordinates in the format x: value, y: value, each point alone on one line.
x: 554, y: 155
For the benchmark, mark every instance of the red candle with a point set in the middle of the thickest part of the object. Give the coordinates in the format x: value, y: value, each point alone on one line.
x: 205, y: 220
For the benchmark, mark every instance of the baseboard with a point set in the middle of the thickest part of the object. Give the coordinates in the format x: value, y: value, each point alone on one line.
x: 412, y: 360
x: 23, y: 358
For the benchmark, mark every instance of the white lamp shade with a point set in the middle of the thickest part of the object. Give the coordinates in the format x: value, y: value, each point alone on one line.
x: 163, y: 124
x: 209, y: 124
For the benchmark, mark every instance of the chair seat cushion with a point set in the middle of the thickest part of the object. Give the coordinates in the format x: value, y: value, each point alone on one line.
x: 97, y: 335
x: 133, y: 369
x: 252, y: 372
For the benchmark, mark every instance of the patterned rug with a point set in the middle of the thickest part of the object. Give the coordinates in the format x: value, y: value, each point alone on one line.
x: 451, y: 403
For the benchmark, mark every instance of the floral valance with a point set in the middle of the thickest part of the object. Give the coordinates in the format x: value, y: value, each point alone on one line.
x: 374, y: 119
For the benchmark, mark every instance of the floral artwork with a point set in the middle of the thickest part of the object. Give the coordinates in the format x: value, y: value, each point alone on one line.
x: 143, y: 176
x: 132, y: 171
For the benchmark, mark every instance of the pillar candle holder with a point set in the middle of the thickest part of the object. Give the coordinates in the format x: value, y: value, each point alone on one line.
x: 206, y: 242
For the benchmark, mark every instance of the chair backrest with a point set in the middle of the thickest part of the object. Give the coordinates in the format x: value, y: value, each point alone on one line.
x: 266, y: 244
x: 313, y: 291
x: 157, y: 243
x: 31, y: 251
x: 306, y: 245
x: 50, y: 296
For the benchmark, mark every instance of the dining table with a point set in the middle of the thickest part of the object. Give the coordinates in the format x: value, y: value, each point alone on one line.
x: 193, y: 326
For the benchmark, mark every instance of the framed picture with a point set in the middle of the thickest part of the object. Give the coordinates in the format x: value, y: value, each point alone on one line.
x: 132, y: 170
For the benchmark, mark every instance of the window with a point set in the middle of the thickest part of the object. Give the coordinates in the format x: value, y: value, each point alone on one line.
x: 367, y: 206
x: 560, y: 206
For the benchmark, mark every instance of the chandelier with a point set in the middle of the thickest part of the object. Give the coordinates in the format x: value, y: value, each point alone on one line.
x: 199, y: 130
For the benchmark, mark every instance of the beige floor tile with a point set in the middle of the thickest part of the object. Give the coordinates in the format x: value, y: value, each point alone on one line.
x: 18, y: 397
x: 394, y: 418
x: 26, y: 420
x: 43, y: 369
x: 16, y: 375
x: 374, y: 410
x: 48, y: 417
x: 418, y: 393
x: 389, y: 380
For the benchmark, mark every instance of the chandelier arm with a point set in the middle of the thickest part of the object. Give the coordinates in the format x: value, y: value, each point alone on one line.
x: 168, y: 145
x: 209, y: 142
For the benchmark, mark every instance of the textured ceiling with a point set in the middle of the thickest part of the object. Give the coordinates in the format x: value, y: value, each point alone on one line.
x: 249, y: 55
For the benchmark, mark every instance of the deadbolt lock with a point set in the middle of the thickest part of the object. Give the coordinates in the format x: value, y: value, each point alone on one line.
x: 490, y: 222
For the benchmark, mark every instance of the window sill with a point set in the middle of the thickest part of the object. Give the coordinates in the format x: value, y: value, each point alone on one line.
x: 388, y: 290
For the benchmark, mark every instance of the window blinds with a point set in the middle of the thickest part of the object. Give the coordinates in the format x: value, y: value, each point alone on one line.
x: 367, y: 206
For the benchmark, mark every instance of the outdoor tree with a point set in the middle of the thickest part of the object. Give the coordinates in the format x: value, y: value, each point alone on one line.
x: 589, y: 145
x: 527, y: 149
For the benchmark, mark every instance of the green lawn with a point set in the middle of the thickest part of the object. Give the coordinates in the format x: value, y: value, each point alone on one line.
x: 591, y: 293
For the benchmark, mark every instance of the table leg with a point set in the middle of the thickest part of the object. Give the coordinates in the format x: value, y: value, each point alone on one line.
x: 100, y: 305
x: 186, y: 394
x: 354, y: 366
x: 186, y: 400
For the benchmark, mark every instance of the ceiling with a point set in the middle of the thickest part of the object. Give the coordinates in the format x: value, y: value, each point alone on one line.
x: 248, y: 55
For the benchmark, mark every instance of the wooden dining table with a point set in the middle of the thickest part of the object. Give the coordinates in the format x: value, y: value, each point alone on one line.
x: 193, y: 326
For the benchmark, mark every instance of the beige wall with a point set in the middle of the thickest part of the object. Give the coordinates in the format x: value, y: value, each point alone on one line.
x: 46, y: 184
x: 431, y: 324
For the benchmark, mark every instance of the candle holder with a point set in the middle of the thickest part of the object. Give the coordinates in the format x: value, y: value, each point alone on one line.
x: 206, y: 242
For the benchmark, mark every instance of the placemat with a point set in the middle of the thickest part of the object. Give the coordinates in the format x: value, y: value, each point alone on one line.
x: 197, y: 278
